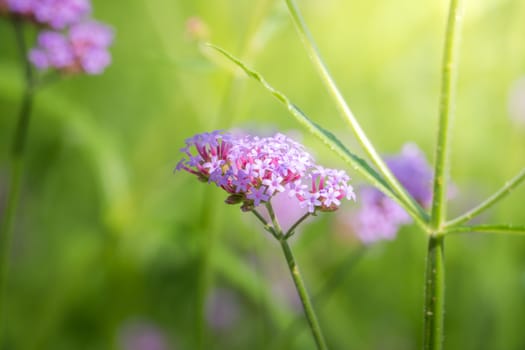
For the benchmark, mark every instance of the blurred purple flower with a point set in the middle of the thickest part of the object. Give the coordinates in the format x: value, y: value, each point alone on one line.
x: 379, y: 217
x: 22, y: 7
x: 83, y: 49
x: 222, y: 309
x: 517, y: 102
x: 57, y: 14
x: 53, y: 50
x: 412, y: 170
x: 90, y: 41
x: 141, y: 335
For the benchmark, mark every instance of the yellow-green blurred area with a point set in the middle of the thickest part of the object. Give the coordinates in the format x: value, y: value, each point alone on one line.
x: 111, y: 250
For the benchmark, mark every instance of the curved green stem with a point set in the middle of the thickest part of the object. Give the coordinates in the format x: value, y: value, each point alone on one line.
x: 291, y: 230
x: 303, y: 294
x: 434, y: 294
x: 446, y: 111
x: 345, y: 110
x: 296, y: 274
x: 486, y: 204
x: 266, y: 225
x: 17, y: 155
x: 276, y: 226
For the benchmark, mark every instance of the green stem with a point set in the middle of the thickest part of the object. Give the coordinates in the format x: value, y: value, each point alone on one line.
x: 435, y: 272
x: 17, y: 155
x: 336, y: 279
x: 303, y: 294
x: 446, y: 111
x: 501, y: 193
x: 298, y: 280
x: 276, y: 226
x: 266, y: 225
x: 504, y: 229
x: 291, y: 230
x: 343, y: 107
x: 434, y: 294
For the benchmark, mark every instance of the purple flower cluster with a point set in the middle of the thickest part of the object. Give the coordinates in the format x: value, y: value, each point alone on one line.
x: 70, y: 42
x: 379, y: 216
x: 57, y: 14
x: 253, y: 170
x: 82, y: 49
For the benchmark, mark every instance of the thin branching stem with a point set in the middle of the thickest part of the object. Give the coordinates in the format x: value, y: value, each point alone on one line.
x: 309, y: 312
x: 278, y: 231
x: 345, y: 110
x: 266, y: 225
x: 499, y: 229
x: 303, y: 294
x: 446, y: 111
x: 489, y: 202
x: 291, y: 230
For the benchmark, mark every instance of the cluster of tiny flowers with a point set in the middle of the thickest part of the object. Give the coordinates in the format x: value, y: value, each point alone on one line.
x: 69, y: 40
x: 379, y: 217
x: 56, y: 14
x: 83, y: 49
x: 252, y: 170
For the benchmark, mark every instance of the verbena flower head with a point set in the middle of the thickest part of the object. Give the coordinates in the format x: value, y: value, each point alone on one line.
x: 83, y: 49
x: 56, y: 14
x: 253, y: 169
x: 379, y: 217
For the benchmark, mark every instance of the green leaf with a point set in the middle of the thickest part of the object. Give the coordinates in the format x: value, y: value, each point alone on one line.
x: 327, y: 137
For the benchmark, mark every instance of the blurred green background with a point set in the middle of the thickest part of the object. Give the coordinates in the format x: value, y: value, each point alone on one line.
x: 111, y: 250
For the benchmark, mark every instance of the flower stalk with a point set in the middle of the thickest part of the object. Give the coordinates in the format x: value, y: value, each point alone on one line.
x: 446, y: 113
x: 300, y: 286
x: 17, y: 155
x: 303, y: 294
x: 435, y: 272
x: 342, y: 105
